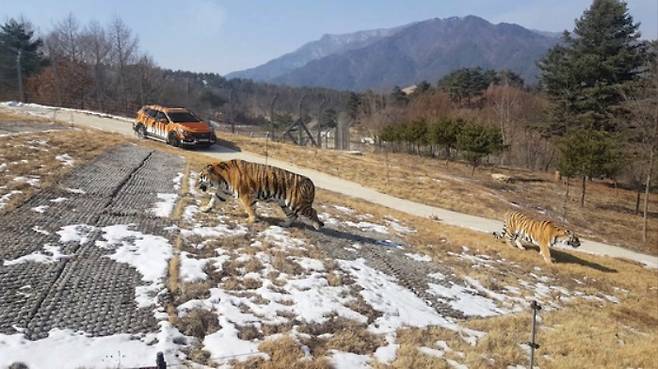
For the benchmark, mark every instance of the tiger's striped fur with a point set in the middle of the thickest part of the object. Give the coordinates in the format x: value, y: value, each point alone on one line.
x: 520, y: 228
x: 252, y: 182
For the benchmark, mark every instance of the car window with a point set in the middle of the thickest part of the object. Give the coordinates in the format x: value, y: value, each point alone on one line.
x: 151, y: 113
x: 160, y: 116
x: 182, y: 117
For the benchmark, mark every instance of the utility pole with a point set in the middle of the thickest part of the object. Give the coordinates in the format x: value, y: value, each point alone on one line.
x: 19, y: 75
x: 533, y: 345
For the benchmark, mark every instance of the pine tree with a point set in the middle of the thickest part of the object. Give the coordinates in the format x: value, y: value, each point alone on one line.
x: 476, y: 142
x: 20, y: 56
x: 589, y: 153
x: 586, y: 74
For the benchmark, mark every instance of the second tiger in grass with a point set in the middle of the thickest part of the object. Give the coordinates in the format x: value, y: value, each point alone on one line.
x: 520, y: 228
x: 252, y: 182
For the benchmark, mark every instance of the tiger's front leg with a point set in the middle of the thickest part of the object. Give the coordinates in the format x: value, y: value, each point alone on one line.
x: 291, y: 217
x: 210, y: 205
x: 545, y: 251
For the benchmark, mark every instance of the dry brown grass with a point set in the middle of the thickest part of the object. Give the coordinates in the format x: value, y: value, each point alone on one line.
x: 284, y: 353
x: 607, y: 216
x: 8, y: 116
x: 198, y: 323
x: 355, y: 340
x: 25, y: 159
x: 192, y: 291
x: 284, y: 265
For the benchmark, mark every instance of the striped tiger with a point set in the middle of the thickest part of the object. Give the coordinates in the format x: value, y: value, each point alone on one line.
x: 252, y: 182
x: 520, y: 228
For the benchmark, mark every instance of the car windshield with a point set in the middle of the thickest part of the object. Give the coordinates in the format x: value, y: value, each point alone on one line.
x: 182, y: 116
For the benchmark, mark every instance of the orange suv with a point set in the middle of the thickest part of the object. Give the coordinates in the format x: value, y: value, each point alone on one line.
x: 175, y: 126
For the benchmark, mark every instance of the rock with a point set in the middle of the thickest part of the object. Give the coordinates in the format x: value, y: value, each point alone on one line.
x: 502, y: 178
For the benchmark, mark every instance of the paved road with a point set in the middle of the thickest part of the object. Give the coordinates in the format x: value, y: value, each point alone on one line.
x: 335, y: 184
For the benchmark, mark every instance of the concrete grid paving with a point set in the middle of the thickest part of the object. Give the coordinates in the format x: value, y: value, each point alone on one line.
x: 86, y: 291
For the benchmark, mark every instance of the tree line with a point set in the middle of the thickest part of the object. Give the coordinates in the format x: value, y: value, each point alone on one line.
x: 102, y: 67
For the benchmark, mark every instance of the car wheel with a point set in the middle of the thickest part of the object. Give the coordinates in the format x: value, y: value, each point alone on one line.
x: 172, y: 139
x: 141, y: 132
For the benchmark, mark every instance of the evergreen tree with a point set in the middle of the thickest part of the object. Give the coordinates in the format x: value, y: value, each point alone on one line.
x: 353, y: 106
x: 398, y: 96
x: 476, y: 142
x: 444, y: 133
x: 18, y: 47
x: 589, y: 153
x: 422, y: 87
x: 585, y: 75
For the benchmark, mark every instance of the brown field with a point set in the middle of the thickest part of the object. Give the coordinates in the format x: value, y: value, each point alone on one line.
x: 31, y: 157
x: 608, y: 215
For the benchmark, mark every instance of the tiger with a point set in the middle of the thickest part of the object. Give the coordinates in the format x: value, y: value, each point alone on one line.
x: 520, y: 228
x: 251, y: 182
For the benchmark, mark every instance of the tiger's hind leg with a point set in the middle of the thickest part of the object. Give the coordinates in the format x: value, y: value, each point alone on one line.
x: 247, y: 204
x: 519, y: 243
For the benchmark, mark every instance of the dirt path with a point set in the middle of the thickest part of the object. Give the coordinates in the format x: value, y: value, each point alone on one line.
x: 328, y: 182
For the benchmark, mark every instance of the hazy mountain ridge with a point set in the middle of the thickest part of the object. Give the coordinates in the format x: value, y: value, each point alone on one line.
x: 328, y: 44
x: 426, y: 50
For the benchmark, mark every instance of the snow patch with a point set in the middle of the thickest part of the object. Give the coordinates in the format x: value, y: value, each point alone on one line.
x: 75, y: 190
x: 348, y: 360
x: 191, y: 269
x: 418, y: 257
x: 66, y: 159
x: 52, y: 255
x: 77, y: 349
x: 4, y: 199
x: 40, y: 230
x: 31, y: 180
x: 40, y: 209
x: 165, y: 206
x: 400, y: 306
x: 147, y: 253
x: 367, y: 226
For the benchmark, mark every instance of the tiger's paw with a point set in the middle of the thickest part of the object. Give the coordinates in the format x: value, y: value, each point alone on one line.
x: 285, y: 224
x: 205, y: 209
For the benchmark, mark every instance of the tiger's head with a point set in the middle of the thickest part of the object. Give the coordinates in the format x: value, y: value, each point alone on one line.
x: 566, y: 237
x: 215, y: 176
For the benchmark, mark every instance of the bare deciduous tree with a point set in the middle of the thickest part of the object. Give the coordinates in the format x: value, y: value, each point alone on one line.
x: 96, y: 52
x: 124, y: 47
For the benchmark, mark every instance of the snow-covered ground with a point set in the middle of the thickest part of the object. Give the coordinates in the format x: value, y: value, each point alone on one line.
x: 260, y: 276
x: 271, y: 276
x: 46, y: 111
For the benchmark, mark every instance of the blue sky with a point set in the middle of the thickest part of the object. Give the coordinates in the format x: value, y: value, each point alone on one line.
x: 226, y: 35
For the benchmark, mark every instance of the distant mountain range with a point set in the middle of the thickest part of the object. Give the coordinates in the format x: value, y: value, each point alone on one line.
x: 382, y: 58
